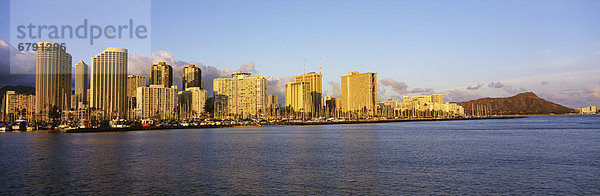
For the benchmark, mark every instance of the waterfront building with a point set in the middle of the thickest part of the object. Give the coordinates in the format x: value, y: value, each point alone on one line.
x: 312, y: 83
x: 329, y: 104
x: 15, y: 106
x: 108, y: 83
x: 359, y: 92
x: 272, y: 101
x: 338, y: 104
x: 297, y: 96
x: 437, y: 98
x: 241, y: 96
x: 588, y: 110
x: 133, y: 82
x: 161, y: 74
x: 191, y: 102
x: 427, y: 106
x: 192, y: 77
x: 82, y: 83
x: 52, y: 80
x: 156, y: 102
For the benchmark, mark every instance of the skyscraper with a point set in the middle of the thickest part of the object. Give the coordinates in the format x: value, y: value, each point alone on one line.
x: 192, y: 76
x: 108, y: 82
x: 297, y: 96
x: 133, y: 82
x: 359, y: 92
x: 52, y: 80
x: 437, y: 98
x: 313, y: 97
x: 161, y: 74
x: 156, y: 102
x: 242, y: 95
x: 82, y: 83
x: 191, y: 102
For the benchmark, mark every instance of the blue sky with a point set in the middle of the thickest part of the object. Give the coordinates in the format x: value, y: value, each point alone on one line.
x: 442, y: 45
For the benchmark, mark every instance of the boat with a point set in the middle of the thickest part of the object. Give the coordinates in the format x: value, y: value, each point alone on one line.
x: 147, y: 123
x: 20, y: 125
x: 84, y: 124
x: 5, y: 127
x: 119, y: 123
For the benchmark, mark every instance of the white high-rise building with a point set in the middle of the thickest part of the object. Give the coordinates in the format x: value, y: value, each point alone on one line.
x: 241, y: 96
x: 156, y: 102
x: 191, y: 102
x: 108, y: 83
x: 52, y: 80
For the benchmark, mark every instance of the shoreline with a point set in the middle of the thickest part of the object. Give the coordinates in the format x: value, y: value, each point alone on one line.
x: 280, y: 124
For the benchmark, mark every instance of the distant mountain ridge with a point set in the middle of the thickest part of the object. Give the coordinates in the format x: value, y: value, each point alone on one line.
x: 522, y: 103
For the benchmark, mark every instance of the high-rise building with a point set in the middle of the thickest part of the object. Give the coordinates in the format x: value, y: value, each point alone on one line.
x: 82, y: 83
x: 241, y: 96
x: 437, y: 98
x: 161, y: 74
x: 329, y: 103
x: 192, y: 76
x: 312, y: 83
x: 108, y: 83
x: 191, y: 102
x: 17, y: 106
x: 52, y: 80
x: 156, y: 102
x: 359, y: 92
x: 431, y: 106
x: 297, y: 96
x: 272, y: 101
x: 133, y: 82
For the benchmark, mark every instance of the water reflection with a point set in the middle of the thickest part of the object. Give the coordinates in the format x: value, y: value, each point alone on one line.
x: 421, y: 157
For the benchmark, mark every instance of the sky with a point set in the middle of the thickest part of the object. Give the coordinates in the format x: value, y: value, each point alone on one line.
x: 463, y: 49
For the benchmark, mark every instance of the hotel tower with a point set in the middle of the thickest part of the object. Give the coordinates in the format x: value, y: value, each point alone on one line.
x: 359, y: 92
x: 192, y: 77
x: 52, y: 80
x: 161, y: 74
x: 108, y: 82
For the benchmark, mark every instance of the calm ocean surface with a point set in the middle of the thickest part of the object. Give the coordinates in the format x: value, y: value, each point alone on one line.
x: 536, y: 155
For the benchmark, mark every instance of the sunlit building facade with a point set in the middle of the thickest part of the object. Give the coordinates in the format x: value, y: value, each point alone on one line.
x: 52, y: 80
x: 15, y: 106
x: 359, y: 92
x: 161, y: 74
x: 156, y: 102
x: 192, y: 102
x: 241, y: 96
x: 192, y: 77
x: 82, y: 83
x: 108, y: 83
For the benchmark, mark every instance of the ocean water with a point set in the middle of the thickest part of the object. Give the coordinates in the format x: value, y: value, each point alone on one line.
x: 535, y: 155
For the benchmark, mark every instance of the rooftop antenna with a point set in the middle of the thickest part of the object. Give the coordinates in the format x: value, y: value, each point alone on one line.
x: 304, y: 66
x: 320, y: 65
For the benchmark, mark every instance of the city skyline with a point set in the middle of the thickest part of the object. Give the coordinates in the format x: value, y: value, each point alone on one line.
x: 463, y: 50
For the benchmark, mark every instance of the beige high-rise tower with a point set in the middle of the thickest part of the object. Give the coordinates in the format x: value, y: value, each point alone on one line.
x: 161, y: 74
x: 311, y: 92
x: 108, y: 82
x: 133, y: 82
x: 192, y: 77
x: 52, y: 80
x: 297, y: 96
x: 359, y: 92
x: 82, y: 83
x: 241, y: 96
